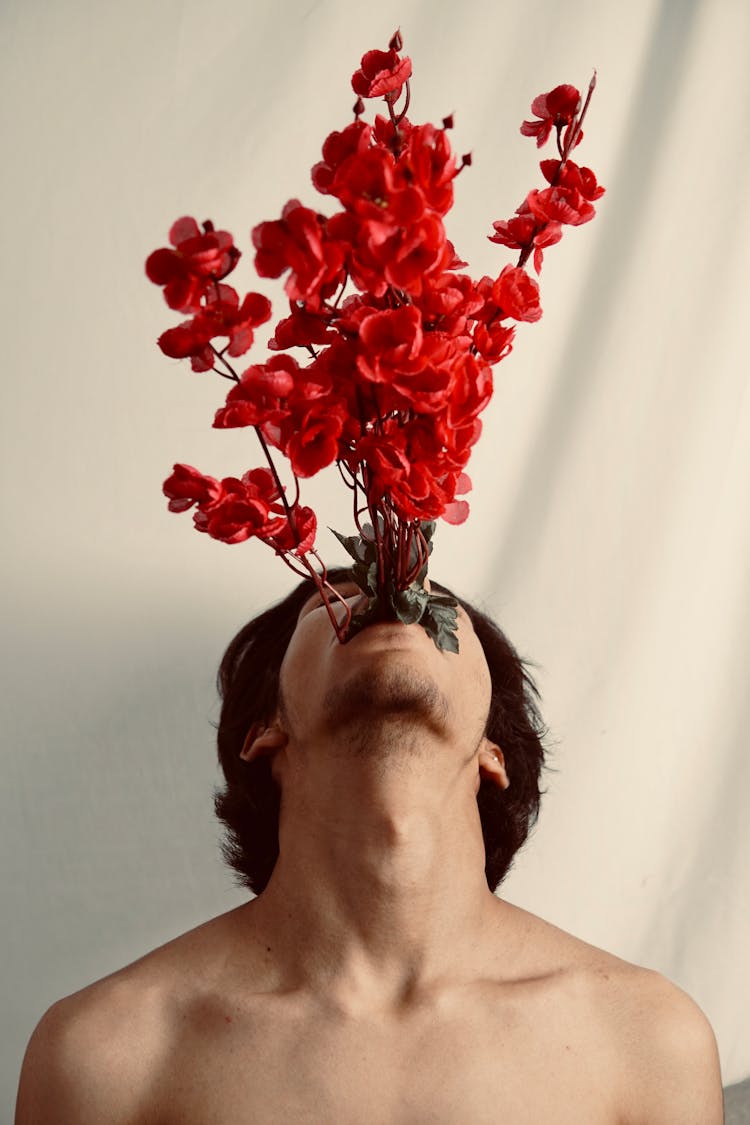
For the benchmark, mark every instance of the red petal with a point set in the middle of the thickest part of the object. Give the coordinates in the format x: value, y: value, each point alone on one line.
x: 183, y: 228
x: 456, y: 512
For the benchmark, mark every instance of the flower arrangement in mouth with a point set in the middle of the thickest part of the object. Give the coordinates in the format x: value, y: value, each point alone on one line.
x: 384, y: 361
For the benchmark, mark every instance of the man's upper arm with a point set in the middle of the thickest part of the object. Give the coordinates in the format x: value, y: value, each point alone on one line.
x: 675, y: 1077
x: 77, y: 1069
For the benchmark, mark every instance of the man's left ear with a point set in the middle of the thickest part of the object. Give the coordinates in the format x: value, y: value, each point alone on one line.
x: 261, y: 739
x: 492, y: 764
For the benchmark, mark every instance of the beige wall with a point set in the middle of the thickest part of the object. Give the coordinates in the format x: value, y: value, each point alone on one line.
x: 610, y: 527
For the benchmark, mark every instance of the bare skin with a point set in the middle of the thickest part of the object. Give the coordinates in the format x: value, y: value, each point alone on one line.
x: 376, y: 979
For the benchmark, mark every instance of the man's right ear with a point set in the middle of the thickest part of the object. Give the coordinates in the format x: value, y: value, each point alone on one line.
x: 262, y: 740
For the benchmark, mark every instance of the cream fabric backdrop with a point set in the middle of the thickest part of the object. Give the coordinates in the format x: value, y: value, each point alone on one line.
x: 610, y: 526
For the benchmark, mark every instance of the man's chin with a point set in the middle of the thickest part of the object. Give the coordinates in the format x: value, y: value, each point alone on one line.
x: 382, y: 696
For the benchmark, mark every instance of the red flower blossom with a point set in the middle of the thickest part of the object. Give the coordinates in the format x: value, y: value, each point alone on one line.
x: 299, y: 538
x: 186, y: 486
x: 494, y: 341
x: 400, y: 344
x: 572, y: 177
x: 258, y: 396
x: 431, y: 165
x: 221, y: 315
x: 555, y: 109
x: 569, y: 197
x: 381, y: 72
x: 560, y: 205
x: 298, y: 243
x: 191, y: 339
x: 385, y: 457
x: 368, y: 184
x: 390, y: 341
x: 389, y: 135
x: 405, y: 260
x: 300, y: 329
x: 517, y: 233
x: 245, y: 508
x: 517, y: 295
x: 198, y: 259
x: 425, y: 391
x: 448, y: 301
x: 527, y: 232
x: 353, y: 140
x: 315, y: 440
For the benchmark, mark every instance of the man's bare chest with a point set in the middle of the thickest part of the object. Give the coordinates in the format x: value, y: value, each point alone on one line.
x: 488, y: 1065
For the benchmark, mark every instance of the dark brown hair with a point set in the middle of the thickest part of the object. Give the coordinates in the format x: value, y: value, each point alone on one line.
x: 248, y: 682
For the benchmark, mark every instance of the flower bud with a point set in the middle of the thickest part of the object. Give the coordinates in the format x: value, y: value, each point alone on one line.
x: 396, y: 43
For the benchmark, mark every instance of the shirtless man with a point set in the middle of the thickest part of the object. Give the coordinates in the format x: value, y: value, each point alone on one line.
x: 376, y: 980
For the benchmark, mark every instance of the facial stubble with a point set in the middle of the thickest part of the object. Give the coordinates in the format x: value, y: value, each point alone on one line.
x: 385, y: 709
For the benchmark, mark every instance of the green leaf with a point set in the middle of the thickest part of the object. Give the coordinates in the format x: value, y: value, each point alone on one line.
x: 427, y: 527
x: 354, y: 546
x: 440, y: 622
x: 443, y: 599
x: 409, y: 604
x: 366, y: 577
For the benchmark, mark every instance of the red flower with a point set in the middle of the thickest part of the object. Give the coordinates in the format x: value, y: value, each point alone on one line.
x: 221, y: 315
x: 186, y: 486
x: 400, y: 343
x: 424, y: 492
x: 384, y: 456
x: 516, y: 294
x: 409, y: 465
x: 245, y: 508
x: 494, y: 340
x: 560, y: 204
x: 447, y: 301
x: 238, y: 323
x: 369, y: 184
x: 315, y: 440
x: 299, y: 538
x: 517, y: 232
x: 557, y: 108
x: 299, y: 329
x: 426, y: 391
x: 198, y: 259
x: 189, y: 339
x: 390, y: 136
x: 572, y: 177
x: 525, y: 232
x: 471, y: 392
x: 337, y: 147
x: 381, y: 72
x: 405, y: 260
x: 257, y: 398
x: 391, y: 341
x: 298, y: 242
x: 431, y: 165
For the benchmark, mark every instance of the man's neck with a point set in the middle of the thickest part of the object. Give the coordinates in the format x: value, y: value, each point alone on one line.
x: 379, y: 889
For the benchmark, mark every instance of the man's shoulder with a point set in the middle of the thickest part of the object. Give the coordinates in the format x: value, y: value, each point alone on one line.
x: 661, y: 1045
x: 668, y: 1071
x: 96, y: 1053
x: 89, y: 1056
x: 669, y: 1046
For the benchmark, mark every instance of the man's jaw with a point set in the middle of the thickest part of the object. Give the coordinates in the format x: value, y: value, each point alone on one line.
x: 384, y: 703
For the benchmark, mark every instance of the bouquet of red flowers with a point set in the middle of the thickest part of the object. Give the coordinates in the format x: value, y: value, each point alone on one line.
x: 384, y: 361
